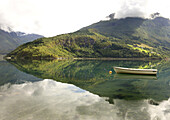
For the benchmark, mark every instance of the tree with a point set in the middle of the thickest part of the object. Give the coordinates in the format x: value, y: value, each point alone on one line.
x: 154, y: 15
x: 111, y: 16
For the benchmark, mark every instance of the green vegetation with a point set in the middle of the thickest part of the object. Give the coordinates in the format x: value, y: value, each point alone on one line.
x: 154, y: 33
x: 114, y: 38
x: 143, y: 48
x: 88, y: 43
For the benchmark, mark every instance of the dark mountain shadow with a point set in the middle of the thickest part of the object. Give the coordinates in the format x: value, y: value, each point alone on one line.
x: 118, y: 28
x: 11, y: 40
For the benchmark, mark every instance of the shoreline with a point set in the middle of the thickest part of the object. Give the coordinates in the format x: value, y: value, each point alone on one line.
x: 83, y: 58
x: 2, y: 57
x: 117, y: 59
x: 167, y: 59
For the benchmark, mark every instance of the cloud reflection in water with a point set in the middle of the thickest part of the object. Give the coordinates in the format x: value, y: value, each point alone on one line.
x: 53, y: 100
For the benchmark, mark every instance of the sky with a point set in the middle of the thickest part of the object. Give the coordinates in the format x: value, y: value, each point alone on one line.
x: 54, y: 17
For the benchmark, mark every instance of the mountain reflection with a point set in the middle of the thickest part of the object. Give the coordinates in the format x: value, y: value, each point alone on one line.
x: 94, y: 76
x: 10, y: 74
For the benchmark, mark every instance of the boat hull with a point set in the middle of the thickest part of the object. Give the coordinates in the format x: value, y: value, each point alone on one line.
x: 135, y: 71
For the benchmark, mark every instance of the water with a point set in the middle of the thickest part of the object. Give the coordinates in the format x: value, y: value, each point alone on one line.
x: 83, y: 90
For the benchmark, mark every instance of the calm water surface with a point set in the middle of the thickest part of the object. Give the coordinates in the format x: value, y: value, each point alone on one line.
x: 83, y: 90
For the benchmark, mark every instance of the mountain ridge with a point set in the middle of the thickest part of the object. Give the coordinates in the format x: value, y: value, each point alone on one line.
x: 9, y: 40
x: 127, y: 37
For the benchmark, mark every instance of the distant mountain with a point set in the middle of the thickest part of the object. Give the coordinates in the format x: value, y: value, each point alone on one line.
x: 10, y: 40
x: 127, y: 37
x: 24, y: 38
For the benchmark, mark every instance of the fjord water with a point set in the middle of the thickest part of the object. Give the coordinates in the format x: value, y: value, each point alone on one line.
x: 83, y: 90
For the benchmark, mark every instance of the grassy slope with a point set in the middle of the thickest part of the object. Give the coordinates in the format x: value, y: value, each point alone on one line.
x: 86, y: 43
x: 154, y: 33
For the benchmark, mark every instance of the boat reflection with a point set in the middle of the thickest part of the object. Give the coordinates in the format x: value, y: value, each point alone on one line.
x: 136, y: 77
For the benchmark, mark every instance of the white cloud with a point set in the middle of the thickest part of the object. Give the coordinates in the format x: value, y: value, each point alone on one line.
x: 132, y: 8
x: 52, y: 17
x: 161, y: 6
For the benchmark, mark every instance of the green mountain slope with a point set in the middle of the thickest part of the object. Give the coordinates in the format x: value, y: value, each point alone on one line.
x: 87, y: 43
x: 152, y: 32
x: 129, y: 37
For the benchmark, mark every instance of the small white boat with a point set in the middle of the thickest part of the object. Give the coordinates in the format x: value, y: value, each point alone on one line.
x: 135, y: 71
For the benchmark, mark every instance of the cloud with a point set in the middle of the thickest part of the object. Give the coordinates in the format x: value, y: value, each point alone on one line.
x: 18, y: 14
x: 132, y: 8
x: 143, y: 8
x: 48, y: 99
x: 53, y: 17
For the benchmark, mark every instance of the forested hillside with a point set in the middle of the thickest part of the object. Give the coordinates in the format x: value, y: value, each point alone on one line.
x: 152, y: 32
x: 119, y: 38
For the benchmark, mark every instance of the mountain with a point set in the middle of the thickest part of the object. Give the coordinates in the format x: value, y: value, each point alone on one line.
x: 24, y: 38
x: 152, y: 32
x: 121, y: 38
x: 9, y: 40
